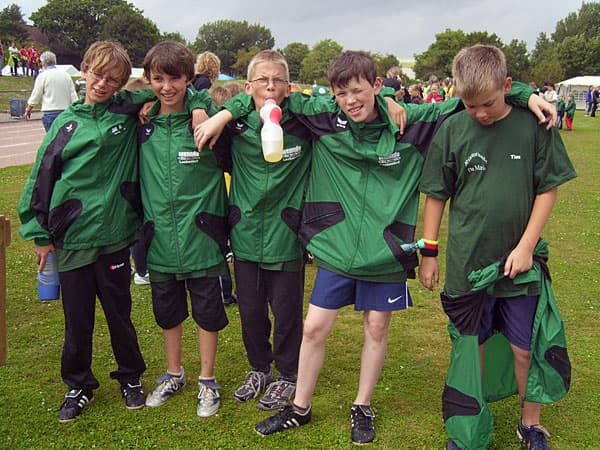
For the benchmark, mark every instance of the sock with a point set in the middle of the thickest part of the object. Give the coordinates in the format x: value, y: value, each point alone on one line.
x: 300, y: 410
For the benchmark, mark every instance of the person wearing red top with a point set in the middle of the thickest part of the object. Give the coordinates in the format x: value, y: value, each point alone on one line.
x: 23, y: 62
x: 434, y: 95
x: 33, y: 60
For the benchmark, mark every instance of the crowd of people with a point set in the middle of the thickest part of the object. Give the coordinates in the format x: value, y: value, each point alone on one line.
x: 27, y: 58
x: 345, y: 195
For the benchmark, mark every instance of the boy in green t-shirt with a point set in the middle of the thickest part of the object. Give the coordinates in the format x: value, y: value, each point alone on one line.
x: 501, y: 172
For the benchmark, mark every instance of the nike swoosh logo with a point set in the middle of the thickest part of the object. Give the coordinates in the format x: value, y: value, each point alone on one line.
x: 394, y: 300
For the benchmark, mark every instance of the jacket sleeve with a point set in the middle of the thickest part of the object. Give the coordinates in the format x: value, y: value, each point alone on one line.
x: 34, y: 205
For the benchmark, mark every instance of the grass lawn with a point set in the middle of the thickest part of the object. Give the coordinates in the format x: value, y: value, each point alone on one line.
x: 407, y: 398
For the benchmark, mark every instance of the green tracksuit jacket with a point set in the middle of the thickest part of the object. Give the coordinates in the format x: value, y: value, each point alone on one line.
x: 83, y: 190
x: 183, y: 194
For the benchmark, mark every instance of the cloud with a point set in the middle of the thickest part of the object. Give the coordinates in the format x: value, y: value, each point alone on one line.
x: 384, y: 26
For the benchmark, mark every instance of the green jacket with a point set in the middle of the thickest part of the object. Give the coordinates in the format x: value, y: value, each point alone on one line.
x: 83, y: 189
x: 266, y: 198
x: 469, y: 421
x: 570, y: 109
x: 183, y: 194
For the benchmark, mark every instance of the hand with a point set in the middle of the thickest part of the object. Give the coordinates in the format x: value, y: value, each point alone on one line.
x: 397, y: 113
x: 144, y: 111
x: 198, y: 116
x: 28, y: 113
x: 429, y: 272
x: 41, y: 255
x: 210, y: 130
x: 545, y: 112
x: 520, y: 260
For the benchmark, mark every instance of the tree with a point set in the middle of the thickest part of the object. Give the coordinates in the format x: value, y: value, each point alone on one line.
x: 12, y: 25
x: 517, y: 60
x: 136, y: 33
x: 574, y: 55
x: 226, y: 37
x: 314, y: 66
x: 548, y: 69
x: 75, y: 25
x: 437, y: 59
x: 294, y: 54
x: 544, y: 49
x: 586, y: 22
x: 384, y: 63
x: 174, y: 36
x: 240, y: 68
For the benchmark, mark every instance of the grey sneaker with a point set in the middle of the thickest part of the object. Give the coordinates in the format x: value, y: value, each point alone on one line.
x: 209, y: 399
x: 278, y: 394
x: 168, y: 385
x: 254, y: 384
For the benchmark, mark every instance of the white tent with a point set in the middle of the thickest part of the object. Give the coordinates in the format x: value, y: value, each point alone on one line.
x: 577, y: 86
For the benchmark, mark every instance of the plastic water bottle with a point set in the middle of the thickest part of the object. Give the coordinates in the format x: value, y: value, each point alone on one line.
x: 272, y: 133
x: 48, y: 284
x: 411, y: 247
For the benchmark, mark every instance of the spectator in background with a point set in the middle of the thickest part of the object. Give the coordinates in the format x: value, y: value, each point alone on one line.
x: 33, y: 60
x: 588, y: 100
x: 434, y: 95
x: 233, y: 87
x: 415, y: 94
x: 550, y: 94
x: 208, y: 67
x: 13, y: 58
x: 570, y: 112
x: 23, y: 61
x: 595, y: 94
x: 1, y: 58
x: 53, y: 88
x: 560, y: 111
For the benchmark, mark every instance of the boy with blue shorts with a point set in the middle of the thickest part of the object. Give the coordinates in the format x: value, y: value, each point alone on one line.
x: 501, y: 172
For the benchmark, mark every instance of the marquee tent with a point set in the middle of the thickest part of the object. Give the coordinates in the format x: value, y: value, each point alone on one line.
x: 578, y: 87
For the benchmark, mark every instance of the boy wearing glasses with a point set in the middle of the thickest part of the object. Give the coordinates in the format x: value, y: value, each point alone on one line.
x: 264, y: 214
x: 81, y: 202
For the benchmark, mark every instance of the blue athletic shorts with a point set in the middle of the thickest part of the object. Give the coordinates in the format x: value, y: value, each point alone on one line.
x: 333, y: 291
x: 512, y: 316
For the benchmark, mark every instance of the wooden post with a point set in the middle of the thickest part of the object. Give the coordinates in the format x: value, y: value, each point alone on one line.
x: 4, y: 242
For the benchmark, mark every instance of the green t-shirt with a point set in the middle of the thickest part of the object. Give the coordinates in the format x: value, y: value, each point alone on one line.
x: 492, y: 175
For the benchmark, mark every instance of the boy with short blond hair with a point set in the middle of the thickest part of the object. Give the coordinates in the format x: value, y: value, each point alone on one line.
x: 501, y: 172
x: 81, y: 202
x: 265, y: 209
x: 185, y: 224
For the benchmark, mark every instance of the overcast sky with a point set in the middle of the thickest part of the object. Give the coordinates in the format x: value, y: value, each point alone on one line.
x: 384, y: 26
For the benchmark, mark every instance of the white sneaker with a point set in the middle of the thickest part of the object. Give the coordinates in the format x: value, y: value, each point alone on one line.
x: 168, y: 385
x: 209, y: 399
x: 141, y: 280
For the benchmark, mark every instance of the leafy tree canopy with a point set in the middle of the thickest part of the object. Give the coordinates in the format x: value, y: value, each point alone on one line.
x: 315, y: 64
x: 585, y: 22
x: 294, y: 54
x: 12, y: 25
x: 384, y: 63
x: 226, y: 37
x: 133, y: 30
x: 517, y: 60
x: 437, y: 59
x: 240, y: 68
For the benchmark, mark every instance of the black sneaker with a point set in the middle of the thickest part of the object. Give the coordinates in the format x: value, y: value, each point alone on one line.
x: 363, y: 429
x: 133, y: 395
x: 75, y: 401
x: 284, y: 419
x: 278, y: 394
x: 533, y: 437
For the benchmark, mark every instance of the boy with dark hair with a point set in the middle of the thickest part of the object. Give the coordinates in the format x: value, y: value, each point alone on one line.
x: 185, y: 224
x: 81, y: 202
x: 501, y: 172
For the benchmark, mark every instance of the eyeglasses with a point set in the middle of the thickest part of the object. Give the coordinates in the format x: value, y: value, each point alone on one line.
x: 264, y: 82
x: 109, y: 81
